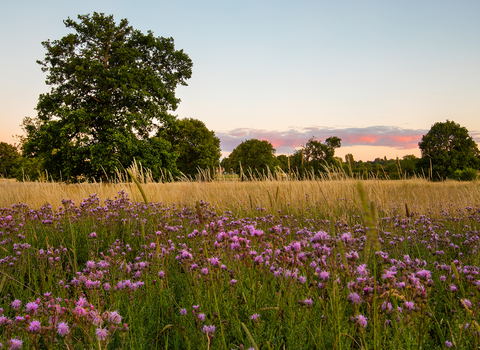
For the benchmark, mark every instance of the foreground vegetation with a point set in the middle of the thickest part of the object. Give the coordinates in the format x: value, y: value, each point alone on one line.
x: 262, y: 265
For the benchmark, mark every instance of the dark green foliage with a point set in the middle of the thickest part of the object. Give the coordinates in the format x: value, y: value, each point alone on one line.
x: 9, y: 157
x: 111, y: 87
x: 315, y: 155
x: 448, y: 147
x: 253, y: 156
x: 467, y: 174
x: 195, y: 145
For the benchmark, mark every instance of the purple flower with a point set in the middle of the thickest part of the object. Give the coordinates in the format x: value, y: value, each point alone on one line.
x: 101, y: 333
x: 34, y: 327
x: 232, y: 282
x: 362, y: 321
x: 448, y: 344
x: 15, y: 344
x: 453, y: 287
x: 209, y: 330
x: 16, y: 304
x: 90, y: 264
x: 443, y: 278
x: 409, y: 305
x: 354, y: 298
x: 63, y: 329
x: 308, y: 302
x: 183, y: 312
x: 201, y: 317
x: 205, y: 271
x: 255, y: 317
x: 31, y: 307
x: 161, y: 274
x: 324, y: 275
x: 467, y: 303
x: 214, y: 261
x: 114, y: 317
x: 302, y: 279
x: 424, y: 274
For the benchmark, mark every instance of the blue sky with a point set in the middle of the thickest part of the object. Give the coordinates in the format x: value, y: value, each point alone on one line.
x: 377, y: 74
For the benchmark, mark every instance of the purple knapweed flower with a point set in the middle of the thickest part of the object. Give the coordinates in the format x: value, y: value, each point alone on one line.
x: 90, y: 264
x: 354, y: 298
x: 102, y: 334
x: 308, y: 302
x: 448, y: 344
x: 409, y: 305
x: 214, y: 261
x: 15, y: 344
x: 114, y: 317
x: 233, y: 282
x: 324, y: 275
x: 467, y: 303
x: 443, y: 278
x: 205, y: 271
x: 255, y: 317
x: 362, y: 321
x: 161, y: 274
x: 16, y: 304
x: 183, y: 312
x: 209, y: 330
x: 424, y: 274
x: 63, y: 329
x: 32, y: 307
x: 34, y: 326
x: 201, y: 317
x: 453, y: 287
x: 302, y: 279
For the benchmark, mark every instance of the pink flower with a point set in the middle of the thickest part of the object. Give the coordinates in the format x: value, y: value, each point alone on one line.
x: 114, y: 317
x: 34, y: 327
x: 255, y: 317
x: 102, y: 334
x: 32, y: 307
x: 15, y: 344
x: 362, y: 321
x: 63, y: 329
x: 16, y: 304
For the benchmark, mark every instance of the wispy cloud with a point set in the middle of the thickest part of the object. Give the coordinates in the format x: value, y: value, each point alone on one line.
x: 287, y: 141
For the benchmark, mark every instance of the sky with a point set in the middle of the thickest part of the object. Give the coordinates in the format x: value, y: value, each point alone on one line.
x: 377, y: 74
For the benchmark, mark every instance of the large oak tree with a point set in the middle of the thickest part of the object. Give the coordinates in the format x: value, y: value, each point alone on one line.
x: 111, y: 88
x: 446, y: 148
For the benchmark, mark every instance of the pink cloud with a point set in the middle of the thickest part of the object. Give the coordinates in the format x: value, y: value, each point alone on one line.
x: 286, y: 141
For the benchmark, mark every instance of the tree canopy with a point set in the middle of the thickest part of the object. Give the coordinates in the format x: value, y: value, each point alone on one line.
x: 314, y: 155
x: 253, y: 156
x: 111, y: 88
x: 9, y: 157
x: 447, y: 148
x: 195, y: 145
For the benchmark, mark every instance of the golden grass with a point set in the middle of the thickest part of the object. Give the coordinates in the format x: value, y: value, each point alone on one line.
x: 329, y: 197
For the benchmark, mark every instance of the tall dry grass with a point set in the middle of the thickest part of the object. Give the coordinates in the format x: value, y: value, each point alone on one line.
x: 325, y: 197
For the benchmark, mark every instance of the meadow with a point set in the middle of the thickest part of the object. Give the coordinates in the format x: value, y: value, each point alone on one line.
x: 312, y: 264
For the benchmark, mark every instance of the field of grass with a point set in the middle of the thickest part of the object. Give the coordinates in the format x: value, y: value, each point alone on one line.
x: 240, y: 265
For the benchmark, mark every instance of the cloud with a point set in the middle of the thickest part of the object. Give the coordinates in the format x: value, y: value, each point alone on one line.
x: 287, y: 141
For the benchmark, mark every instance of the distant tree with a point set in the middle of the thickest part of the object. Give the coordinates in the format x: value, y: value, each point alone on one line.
x: 253, y: 155
x: 314, y: 155
x: 448, y: 147
x: 410, y: 165
x: 195, y: 145
x: 111, y: 87
x: 9, y: 157
x: 283, y: 162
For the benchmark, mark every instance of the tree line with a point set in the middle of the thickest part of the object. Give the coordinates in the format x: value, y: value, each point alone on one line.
x: 111, y: 103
